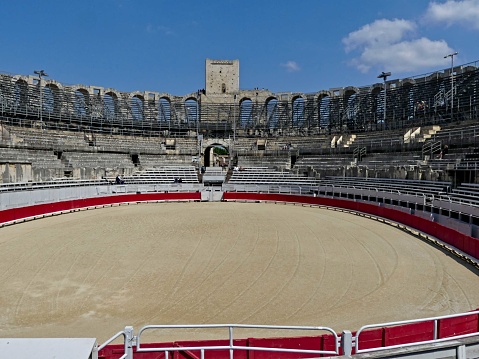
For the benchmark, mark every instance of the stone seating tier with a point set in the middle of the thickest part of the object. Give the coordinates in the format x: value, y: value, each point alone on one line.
x: 38, y: 158
x: 163, y: 175
x: 386, y: 184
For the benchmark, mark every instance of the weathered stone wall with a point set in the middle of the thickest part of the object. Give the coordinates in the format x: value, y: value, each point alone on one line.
x: 222, y: 76
x: 15, y: 172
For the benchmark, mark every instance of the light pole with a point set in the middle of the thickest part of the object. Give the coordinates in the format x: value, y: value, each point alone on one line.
x: 199, y: 138
x: 452, y: 80
x: 41, y: 74
x: 234, y: 122
x: 384, y: 76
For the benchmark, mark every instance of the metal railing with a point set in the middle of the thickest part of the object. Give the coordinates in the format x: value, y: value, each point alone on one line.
x: 127, y: 334
x: 345, y: 343
x: 130, y: 340
x: 435, y: 339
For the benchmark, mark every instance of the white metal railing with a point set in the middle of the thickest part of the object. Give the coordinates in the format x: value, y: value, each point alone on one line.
x: 231, y: 346
x: 435, y: 339
x: 345, y: 342
x: 127, y: 334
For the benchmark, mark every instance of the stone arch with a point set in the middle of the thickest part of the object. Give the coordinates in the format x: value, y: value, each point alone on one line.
x: 216, y: 141
x: 298, y: 104
x: 137, y: 103
x: 81, y: 105
x: 52, y: 99
x: 209, y: 158
x: 164, y: 109
x: 350, y: 110
x: 246, y: 113
x: 272, y: 112
x: 110, y: 105
x: 21, y: 97
x: 377, y: 104
x: 192, y: 110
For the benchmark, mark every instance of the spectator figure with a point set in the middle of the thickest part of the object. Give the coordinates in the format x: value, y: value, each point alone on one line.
x: 444, y: 152
x: 119, y: 180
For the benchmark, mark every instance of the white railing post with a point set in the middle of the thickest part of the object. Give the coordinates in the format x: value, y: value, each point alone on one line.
x: 347, y: 342
x: 129, y: 338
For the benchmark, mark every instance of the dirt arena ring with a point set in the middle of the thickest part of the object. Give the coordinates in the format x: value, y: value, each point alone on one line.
x: 90, y: 273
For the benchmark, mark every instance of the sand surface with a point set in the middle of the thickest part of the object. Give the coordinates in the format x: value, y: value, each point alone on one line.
x: 90, y: 273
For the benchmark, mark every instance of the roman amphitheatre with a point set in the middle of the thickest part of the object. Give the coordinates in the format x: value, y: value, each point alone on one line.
x: 93, y: 272
x: 340, y: 208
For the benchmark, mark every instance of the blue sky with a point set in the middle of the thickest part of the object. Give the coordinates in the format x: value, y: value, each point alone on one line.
x: 283, y: 46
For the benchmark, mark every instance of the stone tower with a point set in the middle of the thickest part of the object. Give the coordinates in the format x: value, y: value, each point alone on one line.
x: 222, y: 77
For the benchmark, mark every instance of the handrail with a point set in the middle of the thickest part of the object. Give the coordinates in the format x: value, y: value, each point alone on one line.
x: 435, y: 338
x: 231, y: 345
x: 124, y: 333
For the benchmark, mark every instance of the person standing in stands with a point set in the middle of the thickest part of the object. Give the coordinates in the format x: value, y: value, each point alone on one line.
x: 444, y: 152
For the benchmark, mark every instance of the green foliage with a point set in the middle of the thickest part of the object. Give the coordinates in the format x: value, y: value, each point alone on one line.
x: 220, y: 151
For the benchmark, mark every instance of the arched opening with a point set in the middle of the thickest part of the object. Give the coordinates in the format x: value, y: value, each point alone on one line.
x: 405, y: 103
x: 191, y: 111
x: 164, y: 110
x: 324, y: 112
x: 82, y: 102
x: 110, y: 106
x: 272, y: 113
x: 350, y: 112
x: 216, y: 155
x: 137, y: 108
x: 298, y: 112
x: 377, y: 103
x: 21, y: 96
x: 246, y: 113
x: 51, y: 99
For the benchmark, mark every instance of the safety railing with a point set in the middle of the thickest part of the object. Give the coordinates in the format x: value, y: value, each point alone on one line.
x: 130, y: 341
x: 345, y: 344
x: 127, y: 334
x: 435, y: 333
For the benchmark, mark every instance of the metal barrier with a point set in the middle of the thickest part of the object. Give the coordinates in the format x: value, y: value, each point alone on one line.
x: 130, y: 340
x: 127, y: 340
x: 345, y: 343
x: 435, y: 339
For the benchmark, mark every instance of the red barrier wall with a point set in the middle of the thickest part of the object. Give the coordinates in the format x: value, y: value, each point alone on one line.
x: 449, y: 327
x: 306, y: 343
x: 14, y: 214
x: 372, y: 338
x: 408, y: 333
x: 196, y: 354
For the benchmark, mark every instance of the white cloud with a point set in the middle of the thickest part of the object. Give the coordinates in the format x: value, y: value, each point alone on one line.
x: 404, y: 56
x: 291, y: 66
x: 378, y: 33
x: 387, y: 45
x: 465, y: 12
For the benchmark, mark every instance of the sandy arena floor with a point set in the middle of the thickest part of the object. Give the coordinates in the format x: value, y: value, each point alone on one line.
x: 90, y: 273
